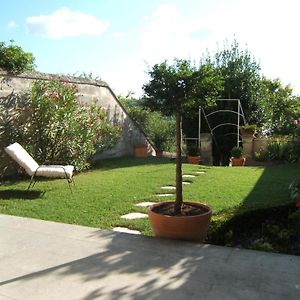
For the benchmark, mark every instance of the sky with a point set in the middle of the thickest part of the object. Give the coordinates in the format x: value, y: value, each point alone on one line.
x: 119, y: 40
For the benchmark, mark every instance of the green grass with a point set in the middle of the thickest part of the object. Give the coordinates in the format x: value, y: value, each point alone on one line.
x: 111, y: 189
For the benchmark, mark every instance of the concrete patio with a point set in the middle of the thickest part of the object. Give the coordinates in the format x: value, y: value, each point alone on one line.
x: 47, y: 260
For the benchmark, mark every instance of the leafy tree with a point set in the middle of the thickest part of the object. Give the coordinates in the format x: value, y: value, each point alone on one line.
x: 173, y: 90
x: 14, y: 59
x: 241, y: 78
x: 279, y: 106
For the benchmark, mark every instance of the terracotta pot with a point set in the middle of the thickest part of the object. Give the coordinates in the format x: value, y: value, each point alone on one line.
x: 140, y: 150
x: 238, y: 161
x: 193, y: 159
x: 189, y: 228
x: 245, y: 132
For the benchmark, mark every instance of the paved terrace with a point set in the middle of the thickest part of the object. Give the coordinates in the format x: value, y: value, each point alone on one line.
x: 47, y: 260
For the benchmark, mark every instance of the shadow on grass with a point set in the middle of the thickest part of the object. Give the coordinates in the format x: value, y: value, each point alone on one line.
x: 272, y: 188
x: 125, y: 162
x: 262, y: 221
x: 20, y: 194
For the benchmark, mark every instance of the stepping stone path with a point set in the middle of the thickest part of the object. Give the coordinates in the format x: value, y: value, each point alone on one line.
x: 188, y: 176
x: 132, y: 216
x: 168, y: 187
x: 126, y: 230
x: 145, y: 204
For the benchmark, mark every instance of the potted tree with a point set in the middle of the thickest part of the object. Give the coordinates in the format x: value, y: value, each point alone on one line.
x: 171, y: 90
x: 236, y: 156
x: 193, y: 156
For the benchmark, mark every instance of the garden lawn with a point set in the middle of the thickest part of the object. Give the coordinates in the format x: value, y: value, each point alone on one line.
x: 111, y: 189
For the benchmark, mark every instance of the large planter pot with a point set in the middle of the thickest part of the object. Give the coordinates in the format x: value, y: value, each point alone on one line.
x: 189, y: 228
x: 238, y: 162
x: 140, y: 150
x: 193, y: 159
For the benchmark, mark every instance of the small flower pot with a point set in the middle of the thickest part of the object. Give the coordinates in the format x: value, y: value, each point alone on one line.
x: 238, y: 162
x: 193, y: 159
x: 140, y: 150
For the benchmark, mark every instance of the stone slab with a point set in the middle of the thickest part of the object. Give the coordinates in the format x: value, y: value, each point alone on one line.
x: 126, y: 230
x: 188, y: 176
x: 164, y: 195
x: 168, y: 187
x: 132, y: 216
x: 145, y: 204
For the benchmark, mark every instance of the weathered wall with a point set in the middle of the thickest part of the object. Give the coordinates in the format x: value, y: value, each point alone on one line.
x: 87, y: 90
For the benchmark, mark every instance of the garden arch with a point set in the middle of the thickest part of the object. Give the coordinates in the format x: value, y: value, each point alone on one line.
x: 235, y: 123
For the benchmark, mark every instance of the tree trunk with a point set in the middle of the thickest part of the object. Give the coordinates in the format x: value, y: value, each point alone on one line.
x: 179, y: 200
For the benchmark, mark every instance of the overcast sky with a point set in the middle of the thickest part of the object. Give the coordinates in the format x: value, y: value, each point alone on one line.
x: 117, y: 39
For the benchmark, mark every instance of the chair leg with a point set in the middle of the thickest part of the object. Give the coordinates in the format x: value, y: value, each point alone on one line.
x: 70, y: 180
x: 32, y: 183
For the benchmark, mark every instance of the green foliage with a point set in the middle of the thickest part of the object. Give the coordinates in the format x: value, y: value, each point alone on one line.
x: 249, y: 128
x: 295, y: 220
x: 262, y: 245
x: 236, y: 152
x: 284, y: 149
x: 241, y: 78
x: 294, y: 189
x: 179, y: 87
x: 277, y: 149
x: 161, y: 131
x: 192, y: 149
x: 279, y: 107
x: 261, y: 155
x: 14, y: 59
x: 54, y: 127
x: 274, y: 229
x: 158, y: 128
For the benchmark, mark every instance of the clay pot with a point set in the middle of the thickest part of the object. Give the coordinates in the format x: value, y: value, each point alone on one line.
x: 247, y: 133
x: 193, y: 159
x: 140, y: 150
x: 188, y: 228
x: 238, y: 161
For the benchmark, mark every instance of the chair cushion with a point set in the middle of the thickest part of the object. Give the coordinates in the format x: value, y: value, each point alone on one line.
x: 55, y: 171
x: 22, y: 157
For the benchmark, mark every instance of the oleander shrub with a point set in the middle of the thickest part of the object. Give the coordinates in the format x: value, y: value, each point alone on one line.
x: 54, y: 127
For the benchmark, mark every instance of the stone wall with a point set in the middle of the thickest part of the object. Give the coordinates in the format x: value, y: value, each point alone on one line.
x: 88, y: 90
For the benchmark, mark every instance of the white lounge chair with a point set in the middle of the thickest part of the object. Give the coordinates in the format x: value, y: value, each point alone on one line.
x: 32, y: 168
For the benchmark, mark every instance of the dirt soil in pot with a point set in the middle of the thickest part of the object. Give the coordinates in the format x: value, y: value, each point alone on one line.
x: 186, y: 210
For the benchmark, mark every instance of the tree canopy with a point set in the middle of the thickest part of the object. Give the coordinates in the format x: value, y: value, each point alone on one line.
x: 241, y: 75
x: 14, y: 59
x: 179, y: 87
